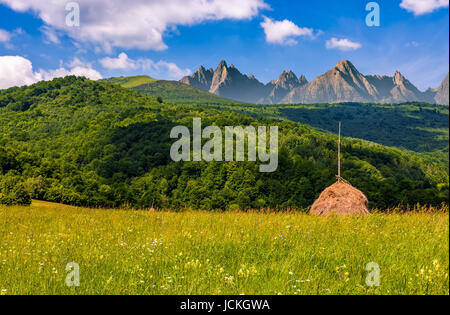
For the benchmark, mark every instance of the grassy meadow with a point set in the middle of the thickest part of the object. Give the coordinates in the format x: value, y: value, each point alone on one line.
x: 139, y: 252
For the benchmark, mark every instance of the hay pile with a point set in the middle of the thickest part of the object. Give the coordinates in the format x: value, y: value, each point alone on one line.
x: 341, y: 198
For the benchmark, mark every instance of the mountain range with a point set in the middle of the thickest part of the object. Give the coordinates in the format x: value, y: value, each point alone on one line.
x: 343, y: 83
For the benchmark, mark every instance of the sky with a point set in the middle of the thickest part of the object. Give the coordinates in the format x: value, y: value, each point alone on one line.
x: 168, y: 39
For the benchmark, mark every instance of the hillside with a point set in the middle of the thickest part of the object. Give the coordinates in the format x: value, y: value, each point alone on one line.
x: 172, y: 92
x: 178, y: 93
x: 90, y: 143
x: 419, y: 127
x: 131, y: 82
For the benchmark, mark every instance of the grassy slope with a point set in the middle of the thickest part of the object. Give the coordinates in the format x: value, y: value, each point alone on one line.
x: 135, y: 252
x: 178, y: 93
x: 131, y: 82
x: 171, y: 91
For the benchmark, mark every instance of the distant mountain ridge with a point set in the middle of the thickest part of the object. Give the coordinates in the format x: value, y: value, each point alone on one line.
x: 226, y: 81
x: 343, y: 83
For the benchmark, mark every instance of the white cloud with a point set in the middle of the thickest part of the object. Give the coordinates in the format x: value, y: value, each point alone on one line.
x: 122, y: 62
x: 343, y: 44
x: 77, y: 71
x: 161, y: 69
x: 137, y: 24
x: 5, y: 36
x: 18, y: 71
x: 420, y: 7
x: 283, y: 32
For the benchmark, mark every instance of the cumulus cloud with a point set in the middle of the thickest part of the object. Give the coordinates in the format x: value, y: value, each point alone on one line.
x: 122, y: 62
x: 139, y: 24
x: 18, y: 71
x: 343, y: 44
x: 420, y: 7
x: 283, y: 32
x: 160, y: 69
x: 78, y: 71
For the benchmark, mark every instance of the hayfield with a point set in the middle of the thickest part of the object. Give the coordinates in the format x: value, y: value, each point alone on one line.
x: 139, y: 252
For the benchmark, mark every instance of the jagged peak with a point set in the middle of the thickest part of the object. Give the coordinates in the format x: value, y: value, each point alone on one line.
x: 223, y: 64
x: 398, y: 77
x: 302, y: 79
x: 345, y: 64
x: 287, y: 72
x: 345, y: 67
x: 201, y: 69
x: 287, y: 75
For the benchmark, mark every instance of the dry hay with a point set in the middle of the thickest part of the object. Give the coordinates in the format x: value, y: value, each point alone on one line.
x: 341, y: 198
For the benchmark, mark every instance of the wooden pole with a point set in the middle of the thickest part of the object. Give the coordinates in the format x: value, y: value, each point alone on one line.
x: 339, y: 152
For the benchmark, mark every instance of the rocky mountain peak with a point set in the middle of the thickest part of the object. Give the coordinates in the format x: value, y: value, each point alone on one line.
x: 201, y: 78
x: 399, y: 78
x: 222, y: 64
x: 288, y: 75
x: 345, y: 66
x: 287, y: 80
x: 302, y: 80
x: 442, y: 92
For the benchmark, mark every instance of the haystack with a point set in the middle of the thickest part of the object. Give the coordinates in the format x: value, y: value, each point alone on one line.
x: 341, y: 198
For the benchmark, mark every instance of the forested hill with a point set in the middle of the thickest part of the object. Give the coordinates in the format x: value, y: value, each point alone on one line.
x: 419, y: 127
x: 91, y: 143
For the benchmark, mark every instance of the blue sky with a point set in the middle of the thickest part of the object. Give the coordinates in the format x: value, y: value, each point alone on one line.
x: 171, y: 38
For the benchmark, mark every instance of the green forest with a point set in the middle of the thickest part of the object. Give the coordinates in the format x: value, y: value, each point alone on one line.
x: 96, y: 144
x: 419, y: 127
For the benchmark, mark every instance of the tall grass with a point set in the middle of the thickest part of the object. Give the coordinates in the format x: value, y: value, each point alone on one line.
x: 137, y: 252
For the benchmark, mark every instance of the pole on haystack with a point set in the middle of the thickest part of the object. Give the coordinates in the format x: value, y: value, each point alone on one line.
x: 339, y: 153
